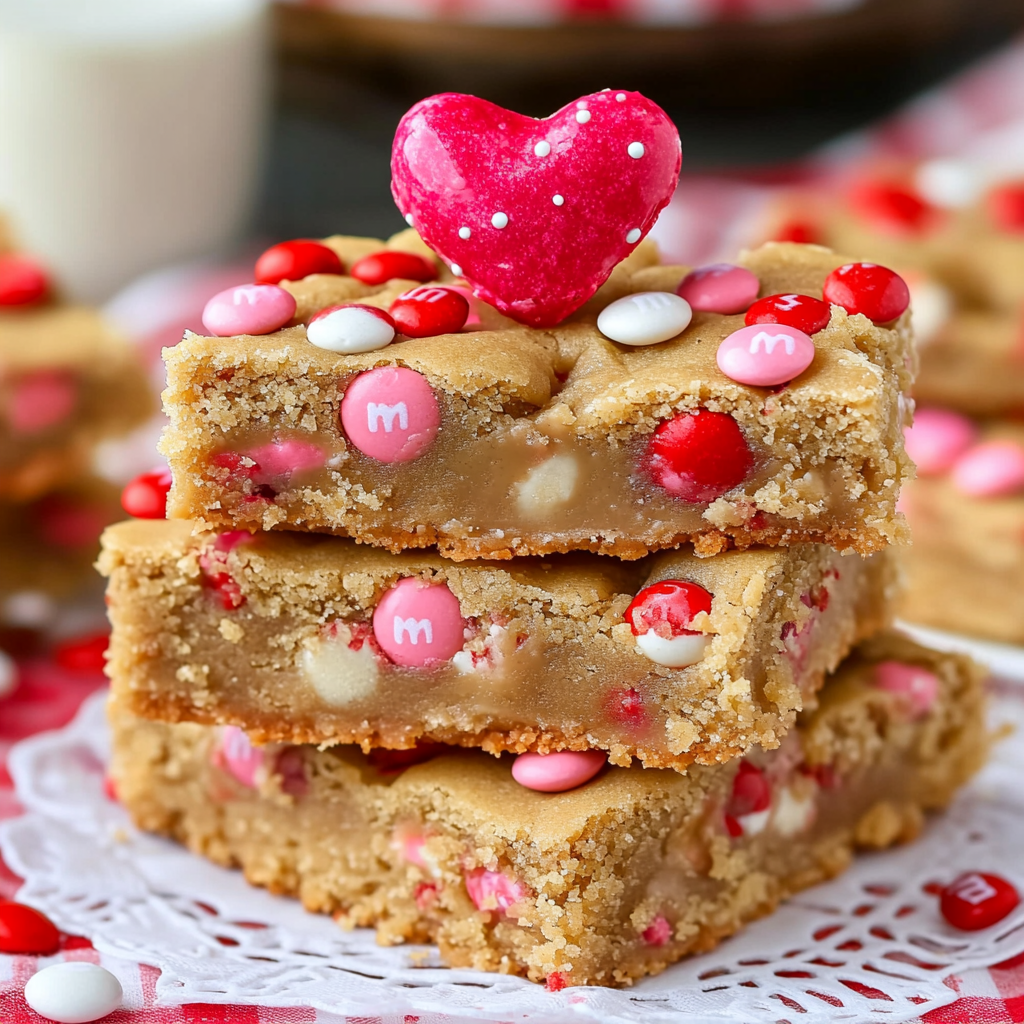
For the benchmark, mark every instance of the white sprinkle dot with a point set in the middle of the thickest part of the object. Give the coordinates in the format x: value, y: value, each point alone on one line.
x: 542, y: 148
x: 583, y: 116
x: 621, y: 97
x: 456, y: 270
x: 408, y: 219
x: 500, y: 220
x: 464, y: 232
x: 635, y: 150
x: 633, y: 236
x: 558, y: 200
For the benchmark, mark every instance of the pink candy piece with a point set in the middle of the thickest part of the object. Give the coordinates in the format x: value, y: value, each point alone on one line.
x: 719, y: 288
x: 990, y: 469
x: 937, y: 439
x: 534, y: 214
x: 418, y: 623
x: 764, y: 355
x: 238, y: 757
x: 918, y: 685
x: 658, y: 932
x: 248, y: 309
x: 285, y: 457
x: 391, y: 414
x: 491, y: 890
x: 231, y: 539
x: 41, y: 400
x: 557, y: 772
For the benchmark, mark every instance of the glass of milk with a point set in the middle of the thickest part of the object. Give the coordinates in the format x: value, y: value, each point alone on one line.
x: 130, y: 131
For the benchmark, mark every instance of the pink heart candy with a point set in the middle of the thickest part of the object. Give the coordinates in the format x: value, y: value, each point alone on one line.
x: 40, y: 401
x: 390, y: 413
x: 492, y: 890
x: 919, y: 686
x: 417, y: 623
x: 764, y: 355
x: 534, y: 214
x: 248, y: 309
x: 937, y: 439
x: 557, y: 772
x: 990, y: 469
x: 720, y: 288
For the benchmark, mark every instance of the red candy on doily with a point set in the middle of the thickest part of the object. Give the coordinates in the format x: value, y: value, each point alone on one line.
x: 977, y: 900
x: 26, y: 932
x: 534, y: 214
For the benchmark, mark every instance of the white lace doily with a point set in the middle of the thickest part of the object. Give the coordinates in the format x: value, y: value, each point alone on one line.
x: 870, y: 946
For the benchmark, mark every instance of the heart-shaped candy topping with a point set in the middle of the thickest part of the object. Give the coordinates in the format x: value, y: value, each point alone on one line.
x: 534, y: 214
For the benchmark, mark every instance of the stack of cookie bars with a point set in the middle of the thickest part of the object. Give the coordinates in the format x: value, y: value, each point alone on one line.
x: 67, y: 383
x: 569, y: 656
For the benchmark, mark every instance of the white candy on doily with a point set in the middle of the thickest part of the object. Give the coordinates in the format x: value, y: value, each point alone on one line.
x: 869, y: 946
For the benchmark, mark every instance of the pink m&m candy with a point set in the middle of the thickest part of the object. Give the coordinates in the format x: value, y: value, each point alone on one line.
x: 284, y: 456
x: 917, y: 685
x: 557, y: 772
x: 937, y: 439
x: 390, y: 414
x: 719, y: 288
x: 238, y: 757
x: 417, y: 623
x: 492, y: 890
x: 40, y: 401
x: 248, y: 309
x: 990, y: 469
x: 764, y: 355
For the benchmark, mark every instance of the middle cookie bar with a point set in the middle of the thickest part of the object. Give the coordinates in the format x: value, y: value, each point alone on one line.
x: 670, y: 659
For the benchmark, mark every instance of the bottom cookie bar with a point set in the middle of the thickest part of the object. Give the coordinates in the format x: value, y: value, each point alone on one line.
x: 601, y: 885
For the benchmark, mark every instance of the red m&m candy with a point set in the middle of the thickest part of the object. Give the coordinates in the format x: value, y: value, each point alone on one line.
x: 23, y: 282
x: 977, y: 900
x: 294, y: 260
x: 750, y: 802
x: 698, y: 456
x: 877, y: 292
x: 385, y: 266
x: 146, y: 496
x: 26, y: 932
x: 1006, y: 206
x: 660, y: 617
x: 892, y: 208
x: 429, y: 310
x: 803, y: 312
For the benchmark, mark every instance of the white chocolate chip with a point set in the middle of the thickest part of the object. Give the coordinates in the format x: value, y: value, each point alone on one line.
x: 339, y: 675
x: 792, y: 814
x: 548, y: 485
x: 754, y: 824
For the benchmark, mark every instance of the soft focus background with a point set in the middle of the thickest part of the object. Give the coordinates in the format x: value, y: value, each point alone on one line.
x: 150, y: 149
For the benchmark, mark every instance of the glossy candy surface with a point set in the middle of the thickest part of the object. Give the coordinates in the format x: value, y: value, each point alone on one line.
x: 719, y: 288
x: 23, y: 282
x: 74, y: 992
x: 26, y: 932
x: 977, y: 900
x: 877, y: 292
x: 381, y: 267
x: 351, y: 328
x: 145, y: 497
x: 534, y: 214
x: 417, y: 623
x: 248, y: 309
x: 765, y: 354
x: 660, y: 617
x: 644, y: 318
x: 429, y: 310
x: 803, y: 312
x: 559, y: 771
x: 294, y: 260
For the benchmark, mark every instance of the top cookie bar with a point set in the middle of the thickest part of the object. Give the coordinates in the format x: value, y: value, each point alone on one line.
x: 502, y: 440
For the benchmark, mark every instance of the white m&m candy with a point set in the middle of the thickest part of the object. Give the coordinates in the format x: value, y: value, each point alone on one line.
x: 73, y: 993
x: 645, y: 318
x: 352, y: 328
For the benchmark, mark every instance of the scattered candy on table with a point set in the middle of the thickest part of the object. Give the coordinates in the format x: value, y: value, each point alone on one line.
x: 24, y: 931
x: 977, y: 900
x: 73, y: 992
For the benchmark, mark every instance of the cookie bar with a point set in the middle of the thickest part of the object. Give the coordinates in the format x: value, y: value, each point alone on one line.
x: 503, y: 440
x: 966, y: 509
x: 600, y: 885
x: 315, y: 639
x: 67, y: 381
